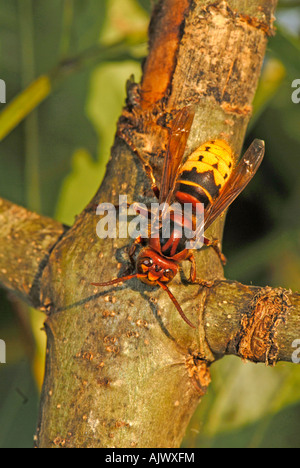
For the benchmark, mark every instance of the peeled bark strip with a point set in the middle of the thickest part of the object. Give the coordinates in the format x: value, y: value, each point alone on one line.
x: 164, y: 38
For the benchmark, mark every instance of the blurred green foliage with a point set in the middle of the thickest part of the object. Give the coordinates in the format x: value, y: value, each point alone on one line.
x: 55, y: 160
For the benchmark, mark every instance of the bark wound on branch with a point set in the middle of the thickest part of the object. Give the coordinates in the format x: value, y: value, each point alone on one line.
x: 198, y: 371
x: 258, y: 337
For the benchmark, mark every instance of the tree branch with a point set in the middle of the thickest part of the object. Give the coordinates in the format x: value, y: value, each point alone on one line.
x: 257, y: 324
x: 26, y: 241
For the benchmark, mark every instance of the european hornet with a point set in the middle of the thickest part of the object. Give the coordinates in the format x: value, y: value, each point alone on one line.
x: 207, y: 177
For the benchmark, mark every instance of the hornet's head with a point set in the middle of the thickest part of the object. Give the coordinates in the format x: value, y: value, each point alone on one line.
x: 155, y: 268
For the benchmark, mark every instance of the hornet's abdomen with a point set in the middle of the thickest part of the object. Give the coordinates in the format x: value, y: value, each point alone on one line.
x: 205, y: 172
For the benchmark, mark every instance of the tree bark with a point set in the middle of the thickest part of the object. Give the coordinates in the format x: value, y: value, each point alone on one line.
x: 26, y: 241
x: 123, y: 369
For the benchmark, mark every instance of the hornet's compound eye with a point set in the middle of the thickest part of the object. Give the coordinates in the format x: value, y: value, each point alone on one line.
x: 147, y: 262
x: 144, y: 264
x: 169, y: 274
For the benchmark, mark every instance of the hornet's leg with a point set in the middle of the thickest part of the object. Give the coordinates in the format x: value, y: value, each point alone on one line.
x: 216, y: 246
x: 139, y: 240
x: 132, y: 250
x: 193, y: 275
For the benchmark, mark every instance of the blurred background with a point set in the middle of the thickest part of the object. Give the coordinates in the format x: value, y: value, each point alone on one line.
x: 53, y: 163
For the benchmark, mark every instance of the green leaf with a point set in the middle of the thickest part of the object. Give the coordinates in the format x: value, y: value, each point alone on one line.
x: 287, y: 4
x: 23, y: 104
x: 147, y: 5
x: 125, y: 18
x: 286, y: 48
x: 104, y: 108
x: 270, y: 82
x: 19, y: 405
x: 246, y: 406
x: 83, y: 22
x: 36, y: 157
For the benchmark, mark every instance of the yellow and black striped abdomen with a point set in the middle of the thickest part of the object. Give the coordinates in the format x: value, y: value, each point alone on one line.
x: 205, y: 173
